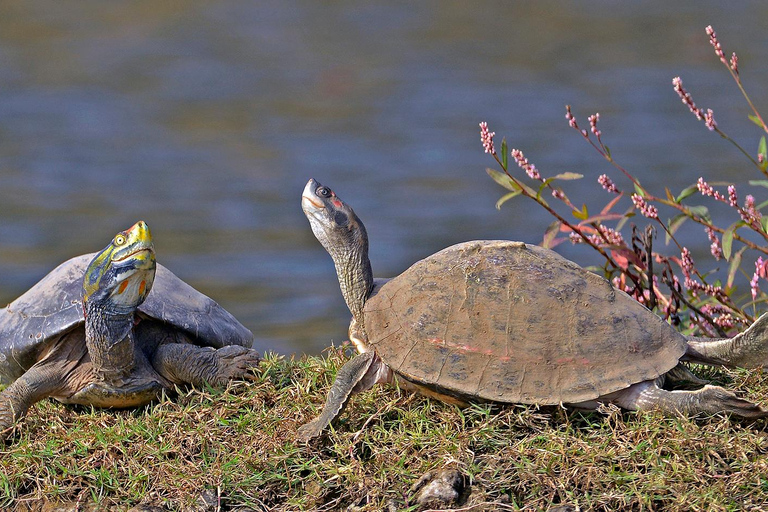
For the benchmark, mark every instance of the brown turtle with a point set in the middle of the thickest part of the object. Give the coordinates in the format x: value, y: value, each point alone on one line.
x: 114, y: 329
x: 508, y: 322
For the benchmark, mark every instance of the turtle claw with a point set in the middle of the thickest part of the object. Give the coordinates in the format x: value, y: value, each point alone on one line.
x: 6, y: 419
x: 310, y: 431
x: 235, y: 363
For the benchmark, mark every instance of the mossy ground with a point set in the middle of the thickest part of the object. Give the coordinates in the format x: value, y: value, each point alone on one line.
x: 237, y: 447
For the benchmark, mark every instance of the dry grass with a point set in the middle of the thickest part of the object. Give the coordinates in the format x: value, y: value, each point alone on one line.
x: 238, y: 447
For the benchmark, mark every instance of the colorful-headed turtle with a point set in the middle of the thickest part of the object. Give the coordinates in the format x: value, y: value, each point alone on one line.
x: 114, y: 329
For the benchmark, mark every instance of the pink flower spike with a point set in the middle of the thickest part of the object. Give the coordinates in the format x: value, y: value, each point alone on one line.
x: 593, y: 124
x: 686, y: 262
x: 648, y: 210
x: 524, y: 164
x: 750, y: 214
x: 733, y: 199
x: 569, y: 116
x: 716, y: 44
x: 735, y: 63
x: 608, y: 184
x: 704, y: 187
x: 486, y: 138
x: 709, y: 120
x: 715, y: 248
x: 753, y: 284
x: 686, y: 98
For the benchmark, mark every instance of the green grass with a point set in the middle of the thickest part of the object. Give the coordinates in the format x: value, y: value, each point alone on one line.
x: 239, y: 445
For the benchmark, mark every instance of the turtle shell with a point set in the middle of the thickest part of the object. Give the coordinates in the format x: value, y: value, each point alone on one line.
x: 54, y: 307
x: 509, y: 322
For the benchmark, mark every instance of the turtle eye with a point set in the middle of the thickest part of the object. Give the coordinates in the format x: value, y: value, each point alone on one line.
x: 119, y: 240
x: 324, y: 192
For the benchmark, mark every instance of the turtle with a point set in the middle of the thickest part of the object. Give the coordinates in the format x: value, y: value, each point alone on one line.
x: 509, y: 322
x: 114, y: 329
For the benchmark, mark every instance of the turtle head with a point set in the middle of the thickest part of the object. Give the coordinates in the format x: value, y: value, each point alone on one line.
x: 120, y: 277
x: 333, y: 221
x: 343, y: 235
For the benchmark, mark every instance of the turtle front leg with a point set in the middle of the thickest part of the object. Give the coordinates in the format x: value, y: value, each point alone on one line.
x: 748, y: 349
x: 357, y: 375
x: 182, y: 363
x: 40, y: 381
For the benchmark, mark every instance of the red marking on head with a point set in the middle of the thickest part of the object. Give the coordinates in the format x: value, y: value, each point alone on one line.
x: 122, y: 287
x: 336, y: 202
x: 142, y: 287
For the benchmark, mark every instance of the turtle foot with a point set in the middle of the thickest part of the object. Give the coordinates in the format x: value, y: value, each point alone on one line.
x: 235, y: 363
x: 709, y: 399
x: 6, y: 417
x: 310, y: 431
x: 182, y: 363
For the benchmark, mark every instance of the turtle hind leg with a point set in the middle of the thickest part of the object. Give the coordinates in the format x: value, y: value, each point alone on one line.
x: 748, y: 349
x: 183, y: 363
x: 358, y: 374
x: 709, y: 399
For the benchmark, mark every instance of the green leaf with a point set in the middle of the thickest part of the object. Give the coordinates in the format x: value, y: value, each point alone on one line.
x: 627, y: 215
x: 567, y: 176
x: 762, y: 149
x: 701, y: 212
x: 758, y: 183
x: 687, y: 192
x: 503, y: 180
x: 733, y: 267
x: 727, y: 240
x: 581, y: 215
x: 755, y: 120
x: 764, y: 224
x: 507, y: 197
x: 607, y: 150
x: 673, y: 224
x: 541, y: 188
x: 639, y: 190
x: 504, y: 154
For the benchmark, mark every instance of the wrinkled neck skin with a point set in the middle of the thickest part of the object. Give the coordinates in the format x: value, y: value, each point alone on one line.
x: 349, y: 250
x: 110, y: 342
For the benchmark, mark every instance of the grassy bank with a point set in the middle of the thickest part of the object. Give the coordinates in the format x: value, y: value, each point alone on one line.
x: 235, y: 450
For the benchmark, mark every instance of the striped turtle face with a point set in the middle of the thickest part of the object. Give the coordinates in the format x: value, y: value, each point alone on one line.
x: 121, y: 276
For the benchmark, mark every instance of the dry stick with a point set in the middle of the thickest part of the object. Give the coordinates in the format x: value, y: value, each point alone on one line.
x: 649, y: 261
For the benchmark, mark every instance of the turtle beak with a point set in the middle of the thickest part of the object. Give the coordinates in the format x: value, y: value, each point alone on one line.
x: 309, y: 200
x: 139, y: 245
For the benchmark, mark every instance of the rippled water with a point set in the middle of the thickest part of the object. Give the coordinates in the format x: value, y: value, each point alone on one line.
x: 206, y: 119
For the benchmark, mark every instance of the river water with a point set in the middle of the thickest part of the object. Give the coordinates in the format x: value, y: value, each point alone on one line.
x: 205, y: 119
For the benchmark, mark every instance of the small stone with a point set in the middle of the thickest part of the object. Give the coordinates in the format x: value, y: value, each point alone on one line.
x: 565, y: 508
x: 442, y: 489
x: 207, y: 501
